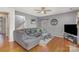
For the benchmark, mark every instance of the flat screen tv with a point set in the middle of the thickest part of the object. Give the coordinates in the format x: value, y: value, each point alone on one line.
x: 71, y: 29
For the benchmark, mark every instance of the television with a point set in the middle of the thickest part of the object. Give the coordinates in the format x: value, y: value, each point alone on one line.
x: 71, y: 29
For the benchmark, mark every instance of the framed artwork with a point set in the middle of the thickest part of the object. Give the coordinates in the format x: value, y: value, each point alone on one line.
x: 33, y: 21
x: 54, y: 22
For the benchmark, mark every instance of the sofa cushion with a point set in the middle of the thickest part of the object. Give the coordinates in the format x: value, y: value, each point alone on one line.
x: 33, y: 32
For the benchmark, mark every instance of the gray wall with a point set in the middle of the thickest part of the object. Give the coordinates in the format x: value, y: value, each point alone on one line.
x: 58, y: 30
x: 28, y: 19
x: 44, y: 22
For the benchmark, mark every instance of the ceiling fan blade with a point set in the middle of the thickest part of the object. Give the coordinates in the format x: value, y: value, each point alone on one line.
x: 37, y: 10
x: 48, y: 10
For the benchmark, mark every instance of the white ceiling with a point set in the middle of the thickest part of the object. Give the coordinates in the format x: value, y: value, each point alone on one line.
x: 55, y: 10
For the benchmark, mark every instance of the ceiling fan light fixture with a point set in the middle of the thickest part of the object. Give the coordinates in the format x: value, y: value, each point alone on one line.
x: 43, y: 10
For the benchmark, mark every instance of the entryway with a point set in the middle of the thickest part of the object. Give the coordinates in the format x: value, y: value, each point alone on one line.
x: 3, y: 26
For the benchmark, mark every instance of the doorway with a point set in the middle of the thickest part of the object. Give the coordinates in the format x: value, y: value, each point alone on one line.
x: 3, y: 23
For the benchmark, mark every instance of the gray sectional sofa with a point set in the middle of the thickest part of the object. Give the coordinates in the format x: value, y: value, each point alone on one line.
x: 28, y: 38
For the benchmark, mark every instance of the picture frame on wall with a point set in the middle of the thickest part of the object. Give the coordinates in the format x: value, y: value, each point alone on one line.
x: 33, y: 21
x: 54, y: 22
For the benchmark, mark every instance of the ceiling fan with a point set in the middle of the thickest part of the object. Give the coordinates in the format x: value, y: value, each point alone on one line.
x: 43, y: 10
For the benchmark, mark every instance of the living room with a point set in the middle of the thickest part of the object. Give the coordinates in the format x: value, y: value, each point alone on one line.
x: 45, y: 27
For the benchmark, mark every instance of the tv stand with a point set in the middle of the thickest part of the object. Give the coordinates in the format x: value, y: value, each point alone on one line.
x: 70, y: 37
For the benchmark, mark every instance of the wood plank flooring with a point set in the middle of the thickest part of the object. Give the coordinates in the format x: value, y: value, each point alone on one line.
x: 57, y: 44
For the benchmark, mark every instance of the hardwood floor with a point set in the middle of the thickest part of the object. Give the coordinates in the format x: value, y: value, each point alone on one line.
x: 57, y: 44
